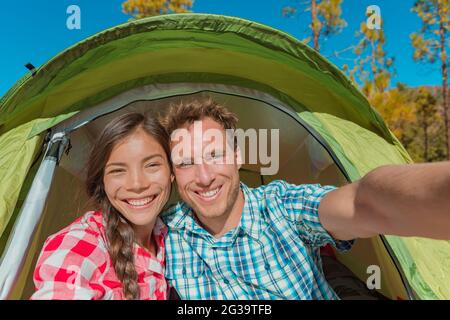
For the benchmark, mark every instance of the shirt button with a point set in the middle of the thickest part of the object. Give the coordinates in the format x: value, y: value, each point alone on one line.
x: 184, y: 270
x: 226, y: 281
x: 267, y: 266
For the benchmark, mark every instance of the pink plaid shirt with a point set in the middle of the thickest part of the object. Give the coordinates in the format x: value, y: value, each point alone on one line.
x: 75, y: 264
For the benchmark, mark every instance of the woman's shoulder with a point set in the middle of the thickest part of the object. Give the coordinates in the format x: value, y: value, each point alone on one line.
x: 73, y: 260
x: 81, y: 244
x: 86, y: 231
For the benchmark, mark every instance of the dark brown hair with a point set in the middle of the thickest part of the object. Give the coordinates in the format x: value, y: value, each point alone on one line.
x: 119, y: 232
x: 190, y: 111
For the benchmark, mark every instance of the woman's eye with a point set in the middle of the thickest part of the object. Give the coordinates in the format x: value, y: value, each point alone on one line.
x: 115, y: 171
x: 152, y: 165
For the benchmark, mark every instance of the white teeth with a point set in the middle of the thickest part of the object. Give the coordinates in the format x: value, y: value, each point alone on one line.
x: 140, y: 202
x: 209, y: 194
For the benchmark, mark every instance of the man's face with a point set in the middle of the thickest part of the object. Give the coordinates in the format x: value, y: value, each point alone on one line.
x: 206, y: 168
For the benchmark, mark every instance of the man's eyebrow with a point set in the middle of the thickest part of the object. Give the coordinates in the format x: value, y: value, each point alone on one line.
x: 185, y: 159
x: 122, y: 164
x: 181, y: 160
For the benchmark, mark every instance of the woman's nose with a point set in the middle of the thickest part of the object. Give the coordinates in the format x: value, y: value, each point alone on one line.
x: 137, y: 181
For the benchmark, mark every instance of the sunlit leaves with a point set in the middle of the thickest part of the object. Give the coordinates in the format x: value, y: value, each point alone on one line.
x: 415, y: 117
x: 146, y: 8
x: 330, y: 15
x: 326, y: 18
x: 372, y: 69
x: 431, y: 44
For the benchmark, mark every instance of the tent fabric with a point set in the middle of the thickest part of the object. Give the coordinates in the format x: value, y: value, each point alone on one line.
x: 425, y: 263
x: 348, y: 140
x: 429, y: 275
x: 203, y: 48
x: 28, y: 217
x: 17, y: 154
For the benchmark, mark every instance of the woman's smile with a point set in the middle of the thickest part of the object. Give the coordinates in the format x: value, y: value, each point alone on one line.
x: 141, y: 203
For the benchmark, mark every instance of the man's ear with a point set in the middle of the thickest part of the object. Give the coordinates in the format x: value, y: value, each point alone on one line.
x: 238, y: 156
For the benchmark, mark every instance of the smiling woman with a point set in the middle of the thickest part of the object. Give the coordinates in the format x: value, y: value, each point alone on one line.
x: 117, y: 251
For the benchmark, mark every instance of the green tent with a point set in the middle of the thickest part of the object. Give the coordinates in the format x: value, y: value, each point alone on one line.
x: 328, y: 131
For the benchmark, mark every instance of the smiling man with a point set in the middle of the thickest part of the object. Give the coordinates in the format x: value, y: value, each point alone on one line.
x: 207, y: 174
x: 229, y: 241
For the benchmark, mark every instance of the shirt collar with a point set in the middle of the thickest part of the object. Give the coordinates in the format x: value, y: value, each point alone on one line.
x: 181, y: 217
x: 250, y: 222
x: 143, y: 258
x: 159, y: 230
x: 251, y: 219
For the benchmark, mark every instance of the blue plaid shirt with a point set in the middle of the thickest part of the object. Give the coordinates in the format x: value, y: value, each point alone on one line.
x: 272, y: 254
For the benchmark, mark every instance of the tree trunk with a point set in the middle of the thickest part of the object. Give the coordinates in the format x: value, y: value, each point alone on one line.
x: 373, y: 63
x: 444, y: 81
x: 314, y: 24
x: 425, y: 138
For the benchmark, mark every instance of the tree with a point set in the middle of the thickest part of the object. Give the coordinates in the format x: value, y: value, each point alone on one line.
x: 413, y: 115
x: 372, y: 68
x: 397, y: 109
x: 372, y: 71
x: 146, y: 8
x: 431, y: 44
x: 426, y: 112
x: 326, y: 18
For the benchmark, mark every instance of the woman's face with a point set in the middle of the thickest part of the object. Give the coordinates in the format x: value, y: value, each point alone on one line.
x: 137, y: 178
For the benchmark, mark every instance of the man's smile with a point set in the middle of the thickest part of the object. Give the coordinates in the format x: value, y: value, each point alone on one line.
x: 209, y: 194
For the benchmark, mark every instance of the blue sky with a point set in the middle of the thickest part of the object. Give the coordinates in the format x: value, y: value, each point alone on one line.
x: 37, y: 31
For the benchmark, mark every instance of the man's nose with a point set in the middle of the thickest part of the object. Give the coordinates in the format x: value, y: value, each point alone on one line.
x: 204, y: 174
x: 136, y: 181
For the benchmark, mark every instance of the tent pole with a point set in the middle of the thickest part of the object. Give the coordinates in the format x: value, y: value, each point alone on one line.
x: 14, y: 256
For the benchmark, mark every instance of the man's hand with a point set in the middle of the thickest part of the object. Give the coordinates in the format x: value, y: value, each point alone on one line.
x: 404, y: 200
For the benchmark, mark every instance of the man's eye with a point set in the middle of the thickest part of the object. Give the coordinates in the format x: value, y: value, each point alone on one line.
x: 214, y: 156
x: 185, y: 163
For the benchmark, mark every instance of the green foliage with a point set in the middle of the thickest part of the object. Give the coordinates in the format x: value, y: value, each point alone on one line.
x: 326, y: 18
x: 426, y: 42
x: 431, y: 44
x: 372, y: 69
x: 423, y: 137
x: 146, y: 8
x: 330, y: 17
x: 396, y: 108
x: 414, y: 115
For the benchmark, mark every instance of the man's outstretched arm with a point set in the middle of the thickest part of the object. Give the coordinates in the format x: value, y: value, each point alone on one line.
x: 404, y: 200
